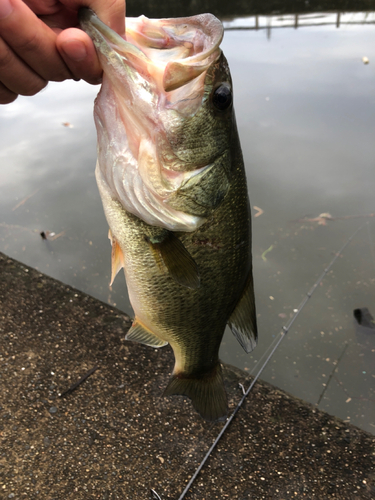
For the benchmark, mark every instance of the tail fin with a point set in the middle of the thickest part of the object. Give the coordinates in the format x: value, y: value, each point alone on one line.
x: 207, y: 392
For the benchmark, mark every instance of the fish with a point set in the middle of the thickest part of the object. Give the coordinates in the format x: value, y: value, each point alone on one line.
x: 171, y: 177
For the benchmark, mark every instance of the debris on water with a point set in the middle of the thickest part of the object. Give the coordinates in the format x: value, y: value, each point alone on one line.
x: 266, y: 252
x: 67, y: 125
x: 259, y: 211
x: 16, y: 227
x: 365, y: 60
x: 325, y: 216
x: 321, y: 219
x: 22, y: 202
x: 50, y: 235
x: 364, y: 318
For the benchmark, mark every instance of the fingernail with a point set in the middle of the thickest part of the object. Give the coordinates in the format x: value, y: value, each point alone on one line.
x: 6, y: 8
x: 75, y: 50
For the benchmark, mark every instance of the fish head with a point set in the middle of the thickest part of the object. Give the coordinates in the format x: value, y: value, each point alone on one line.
x: 164, y: 117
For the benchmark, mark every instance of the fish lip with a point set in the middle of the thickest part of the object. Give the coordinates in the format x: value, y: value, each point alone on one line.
x: 105, y: 39
x: 92, y: 25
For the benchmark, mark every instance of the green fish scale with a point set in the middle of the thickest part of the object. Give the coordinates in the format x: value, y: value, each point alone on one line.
x: 194, y: 320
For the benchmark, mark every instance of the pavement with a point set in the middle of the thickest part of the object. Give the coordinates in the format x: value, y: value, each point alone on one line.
x: 115, y: 437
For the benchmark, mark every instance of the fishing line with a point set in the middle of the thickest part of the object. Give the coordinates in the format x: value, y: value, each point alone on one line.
x: 332, y: 374
x: 371, y: 244
x: 264, y: 355
x: 283, y: 334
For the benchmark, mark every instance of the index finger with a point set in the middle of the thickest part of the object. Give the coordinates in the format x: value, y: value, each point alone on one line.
x: 111, y: 12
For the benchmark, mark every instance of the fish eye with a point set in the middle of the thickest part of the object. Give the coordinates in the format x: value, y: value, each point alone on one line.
x: 222, y: 97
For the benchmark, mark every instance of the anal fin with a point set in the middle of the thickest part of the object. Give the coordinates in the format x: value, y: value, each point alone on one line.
x: 180, y: 264
x: 242, y: 321
x: 139, y: 333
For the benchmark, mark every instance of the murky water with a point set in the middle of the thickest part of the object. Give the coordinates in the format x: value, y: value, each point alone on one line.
x: 305, y: 105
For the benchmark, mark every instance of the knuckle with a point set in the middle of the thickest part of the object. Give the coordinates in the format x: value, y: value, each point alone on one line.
x: 90, y: 77
x: 62, y: 75
x: 6, y: 96
x: 63, y: 71
x: 93, y: 80
x: 7, y: 100
x: 6, y: 57
x: 30, y: 44
x: 34, y: 88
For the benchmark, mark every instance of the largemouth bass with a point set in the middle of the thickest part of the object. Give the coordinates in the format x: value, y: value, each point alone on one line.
x: 171, y: 177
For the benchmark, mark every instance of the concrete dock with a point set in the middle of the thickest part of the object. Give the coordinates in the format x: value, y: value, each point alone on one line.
x: 116, y: 437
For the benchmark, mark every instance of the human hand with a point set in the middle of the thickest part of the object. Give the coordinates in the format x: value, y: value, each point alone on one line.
x: 40, y: 41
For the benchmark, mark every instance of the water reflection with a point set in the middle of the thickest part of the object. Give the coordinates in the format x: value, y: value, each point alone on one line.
x: 241, y: 8
x: 296, y: 21
x: 305, y: 109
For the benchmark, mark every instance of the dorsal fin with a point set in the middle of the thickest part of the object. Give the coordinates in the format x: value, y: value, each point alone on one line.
x: 242, y: 321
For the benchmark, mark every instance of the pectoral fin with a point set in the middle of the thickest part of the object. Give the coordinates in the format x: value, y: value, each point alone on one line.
x: 139, y: 333
x: 243, y: 319
x: 178, y: 261
x: 117, y: 258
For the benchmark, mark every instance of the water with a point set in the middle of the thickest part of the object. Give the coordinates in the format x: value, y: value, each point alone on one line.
x: 305, y: 106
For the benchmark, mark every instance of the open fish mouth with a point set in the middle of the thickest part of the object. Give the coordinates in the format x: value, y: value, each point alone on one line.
x: 166, y: 53
x: 162, y: 62
x: 154, y: 82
